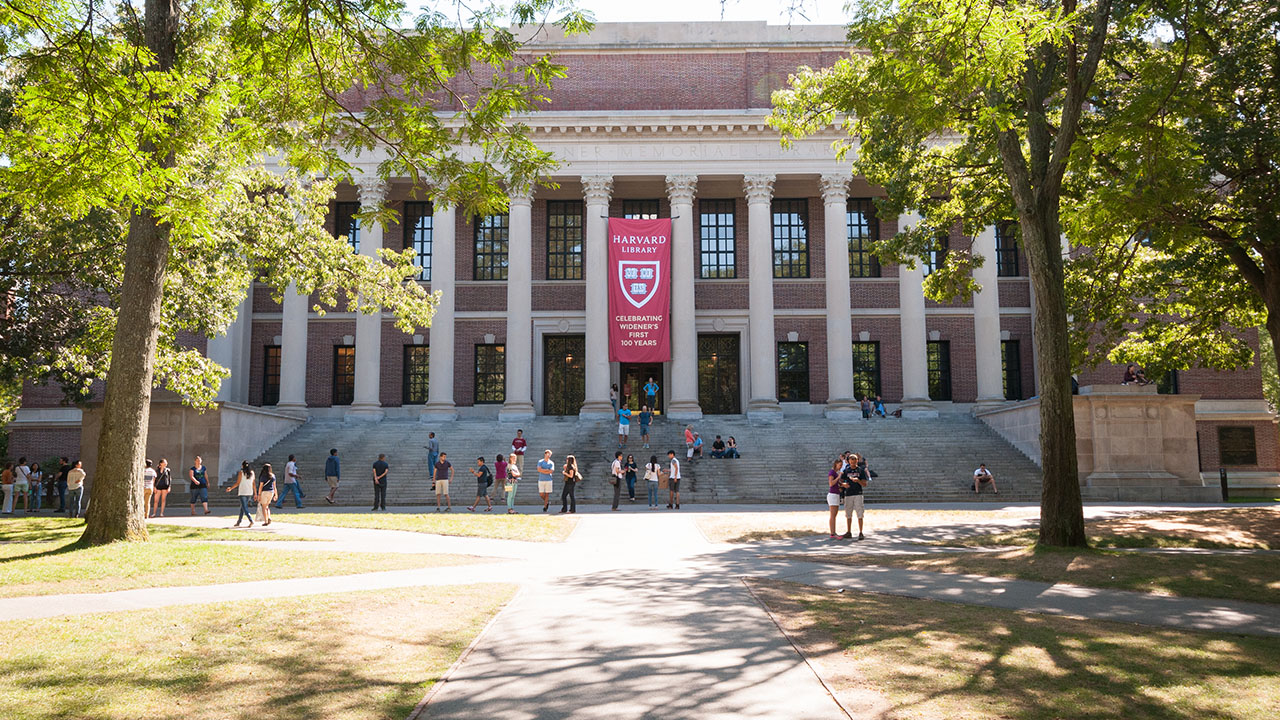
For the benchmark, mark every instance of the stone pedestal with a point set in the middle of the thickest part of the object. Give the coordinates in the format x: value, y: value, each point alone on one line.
x: 1127, y: 435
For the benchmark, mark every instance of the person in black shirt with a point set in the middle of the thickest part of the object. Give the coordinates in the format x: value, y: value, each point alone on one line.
x: 853, y: 478
x: 717, y: 448
x: 64, y: 467
x: 484, y: 478
x: 380, y: 470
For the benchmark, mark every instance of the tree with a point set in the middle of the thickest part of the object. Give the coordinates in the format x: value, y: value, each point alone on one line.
x: 213, y: 132
x: 970, y: 111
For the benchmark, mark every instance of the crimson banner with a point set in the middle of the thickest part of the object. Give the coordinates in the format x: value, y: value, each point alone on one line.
x: 639, y: 290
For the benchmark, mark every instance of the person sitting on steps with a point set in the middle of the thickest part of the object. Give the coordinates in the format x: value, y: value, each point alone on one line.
x: 981, y: 477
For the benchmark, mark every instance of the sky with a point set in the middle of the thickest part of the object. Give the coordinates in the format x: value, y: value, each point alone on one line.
x: 824, y: 12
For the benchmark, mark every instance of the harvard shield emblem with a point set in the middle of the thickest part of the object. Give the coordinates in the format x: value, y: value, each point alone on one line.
x: 638, y: 280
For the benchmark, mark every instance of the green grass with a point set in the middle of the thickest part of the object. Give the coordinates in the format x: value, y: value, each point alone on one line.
x: 1022, y: 538
x: 897, y: 658
x: 1252, y: 578
x: 1265, y: 499
x: 496, y: 524
x: 49, y: 529
x: 65, y: 566
x: 355, y: 656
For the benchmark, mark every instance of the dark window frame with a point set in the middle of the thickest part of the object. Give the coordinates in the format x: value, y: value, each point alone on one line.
x: 500, y: 374
x: 491, y: 245
x: 862, y: 230
x: 346, y: 223
x: 344, y: 393
x: 1007, y: 263
x: 790, y: 377
x: 1238, y: 460
x: 862, y: 350
x: 419, y: 234
x: 641, y: 209
x: 938, y: 361
x: 416, y: 380
x: 1168, y: 384
x: 717, y: 246
x: 936, y: 256
x: 270, y: 375
x: 1011, y: 368
x: 789, y: 226
x: 566, y: 230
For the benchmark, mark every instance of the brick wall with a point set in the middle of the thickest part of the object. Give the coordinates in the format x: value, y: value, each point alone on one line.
x: 958, y: 331
x: 888, y: 332
x: 43, y: 444
x: 1268, y: 444
x: 468, y: 334
x: 1019, y: 329
x: 394, y: 340
x: 1014, y: 292
x: 263, y: 333
x: 262, y: 301
x: 322, y: 335
x: 814, y: 332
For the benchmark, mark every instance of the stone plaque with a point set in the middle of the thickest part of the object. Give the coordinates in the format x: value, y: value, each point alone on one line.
x: 1237, y: 446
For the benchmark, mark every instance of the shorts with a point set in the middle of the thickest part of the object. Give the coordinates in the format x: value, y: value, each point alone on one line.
x: 199, y: 495
x: 644, y: 429
x: 482, y: 489
x: 624, y: 429
x: 332, y: 480
x: 833, y: 499
x: 442, y: 487
x: 544, y: 486
x: 673, y: 484
x: 852, y: 504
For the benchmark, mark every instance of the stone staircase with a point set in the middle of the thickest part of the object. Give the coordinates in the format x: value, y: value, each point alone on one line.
x: 916, y: 460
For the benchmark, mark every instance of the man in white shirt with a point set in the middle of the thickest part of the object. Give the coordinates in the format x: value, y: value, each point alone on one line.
x: 617, y: 478
x: 673, y: 481
x: 22, y: 484
x: 291, y: 484
x: 982, y: 476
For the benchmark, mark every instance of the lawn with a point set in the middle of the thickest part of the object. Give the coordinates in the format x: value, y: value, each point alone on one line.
x: 1230, y: 528
x: 356, y: 656
x: 1253, y: 578
x: 497, y: 524
x: 754, y: 527
x: 63, y: 566
x: 897, y: 658
x: 46, y: 529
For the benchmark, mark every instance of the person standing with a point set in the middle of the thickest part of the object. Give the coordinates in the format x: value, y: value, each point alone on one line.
x: 624, y: 426
x: 245, y: 491
x: 380, y: 470
x: 433, y: 449
x: 673, y: 480
x: 442, y: 473
x: 688, y: 441
x: 484, y: 479
x: 75, y: 489
x: 852, y: 481
x: 866, y: 407
x: 613, y: 396
x: 833, y: 495
x: 545, y: 468
x: 22, y: 485
x: 568, y: 497
x: 292, y: 484
x: 6, y: 481
x: 513, y: 484
x: 36, y: 477
x: 164, y: 483
x: 266, y: 493
x: 148, y: 485
x: 630, y: 467
x: 981, y: 477
x: 646, y: 417
x: 616, y: 478
x: 651, y: 393
x: 198, y: 478
x: 652, y: 475
x: 332, y: 474
x: 64, y: 467
x: 517, y: 451
x: 500, y: 471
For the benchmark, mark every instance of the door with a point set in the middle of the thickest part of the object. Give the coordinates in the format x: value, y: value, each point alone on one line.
x: 565, y: 380
x: 632, y: 377
x: 718, y: 374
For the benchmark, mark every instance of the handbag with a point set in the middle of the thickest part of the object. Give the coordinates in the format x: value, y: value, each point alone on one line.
x: 508, y: 487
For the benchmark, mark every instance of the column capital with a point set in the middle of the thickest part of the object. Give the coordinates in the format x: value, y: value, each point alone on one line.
x: 758, y: 187
x: 371, y: 189
x: 835, y: 187
x: 682, y: 188
x: 597, y: 189
x: 520, y: 196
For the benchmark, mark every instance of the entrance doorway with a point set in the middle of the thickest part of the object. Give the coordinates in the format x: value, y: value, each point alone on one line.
x: 632, y: 377
x: 564, y: 385
x: 718, y: 376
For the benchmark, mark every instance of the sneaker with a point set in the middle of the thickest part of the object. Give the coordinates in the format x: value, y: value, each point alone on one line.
x: 449, y: 509
x: 861, y: 536
x: 677, y: 506
x: 833, y: 537
x: 329, y: 500
x: 847, y: 536
x: 668, y: 506
x: 544, y: 507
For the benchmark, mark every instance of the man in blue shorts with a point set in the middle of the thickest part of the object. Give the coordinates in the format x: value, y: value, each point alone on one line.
x: 646, y: 417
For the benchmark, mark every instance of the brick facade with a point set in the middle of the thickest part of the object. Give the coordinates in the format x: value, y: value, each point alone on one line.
x: 44, y: 444
x: 1265, y: 437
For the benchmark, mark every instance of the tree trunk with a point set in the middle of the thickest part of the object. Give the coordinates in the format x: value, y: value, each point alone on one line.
x: 1061, y: 513
x: 116, y: 496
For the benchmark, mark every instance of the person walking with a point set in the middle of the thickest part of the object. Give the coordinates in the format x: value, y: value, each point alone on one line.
x: 624, y: 426
x: 652, y: 475
x: 292, y: 484
x: 517, y: 451
x: 484, y: 478
x: 630, y: 467
x: 646, y: 417
x: 266, y: 493
x: 442, y: 473
x: 332, y: 474
x: 545, y: 468
x: 513, y: 484
x: 37, y: 479
x: 673, y: 481
x: 164, y: 483
x: 148, y: 485
x: 75, y: 488
x: 198, y: 478
x: 22, y: 485
x: 651, y: 393
x: 243, y: 486
x: 433, y: 449
x: 380, y: 471
x: 613, y: 396
x: 6, y: 482
x: 64, y: 467
x: 616, y: 478
x: 568, y: 497
x: 833, y: 495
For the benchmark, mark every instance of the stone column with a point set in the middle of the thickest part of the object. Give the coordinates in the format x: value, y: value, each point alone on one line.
x: 367, y: 404
x: 915, y: 368
x: 763, y: 406
x: 683, y: 404
x: 986, y: 321
x: 293, y: 351
x: 841, y: 404
x: 444, y: 229
x: 231, y: 351
x: 519, y: 347
x: 596, y: 189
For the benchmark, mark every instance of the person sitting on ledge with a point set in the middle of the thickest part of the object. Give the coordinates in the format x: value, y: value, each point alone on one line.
x: 717, y: 448
x: 1133, y: 375
x: 879, y: 407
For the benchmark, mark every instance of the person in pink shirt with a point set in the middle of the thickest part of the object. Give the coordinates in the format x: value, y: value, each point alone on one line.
x: 688, y: 441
